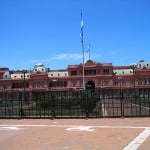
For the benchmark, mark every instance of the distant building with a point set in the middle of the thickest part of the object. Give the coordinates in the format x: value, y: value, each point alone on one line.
x: 97, y: 76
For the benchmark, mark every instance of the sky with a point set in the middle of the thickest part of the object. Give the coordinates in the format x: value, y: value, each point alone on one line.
x: 48, y: 32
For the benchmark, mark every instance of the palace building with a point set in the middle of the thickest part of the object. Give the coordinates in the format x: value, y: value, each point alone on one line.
x: 96, y: 75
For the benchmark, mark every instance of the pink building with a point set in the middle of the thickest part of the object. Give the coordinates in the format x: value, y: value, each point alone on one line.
x: 96, y: 75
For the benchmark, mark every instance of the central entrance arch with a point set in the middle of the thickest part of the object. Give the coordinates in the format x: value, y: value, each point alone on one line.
x: 90, y: 85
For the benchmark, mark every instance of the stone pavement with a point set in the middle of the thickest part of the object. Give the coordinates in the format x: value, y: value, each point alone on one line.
x: 75, y: 134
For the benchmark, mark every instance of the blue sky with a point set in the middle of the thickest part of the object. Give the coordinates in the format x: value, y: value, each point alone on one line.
x: 48, y: 32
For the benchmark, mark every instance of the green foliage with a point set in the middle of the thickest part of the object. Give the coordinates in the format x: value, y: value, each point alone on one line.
x: 88, y: 101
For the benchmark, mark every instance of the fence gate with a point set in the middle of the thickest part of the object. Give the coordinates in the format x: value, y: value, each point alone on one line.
x: 101, y: 103
x: 125, y: 103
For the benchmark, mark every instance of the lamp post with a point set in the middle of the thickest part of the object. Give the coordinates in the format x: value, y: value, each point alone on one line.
x: 120, y: 85
x: 54, y: 84
x: 121, y: 97
x: 24, y: 73
x: 133, y: 66
x: 21, y: 110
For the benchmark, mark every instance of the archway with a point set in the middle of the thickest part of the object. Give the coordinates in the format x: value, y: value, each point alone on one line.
x: 90, y: 85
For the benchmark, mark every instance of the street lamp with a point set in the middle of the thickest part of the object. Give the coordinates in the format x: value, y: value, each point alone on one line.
x: 133, y: 66
x: 24, y: 86
x: 21, y: 110
x: 121, y: 97
x: 54, y: 84
x: 120, y: 84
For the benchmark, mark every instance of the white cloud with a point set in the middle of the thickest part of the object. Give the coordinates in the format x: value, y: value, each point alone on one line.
x: 67, y: 56
x: 76, y: 57
x: 63, y: 60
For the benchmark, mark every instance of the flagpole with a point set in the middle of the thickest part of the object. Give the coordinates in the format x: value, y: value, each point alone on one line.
x: 89, y: 50
x: 82, y: 42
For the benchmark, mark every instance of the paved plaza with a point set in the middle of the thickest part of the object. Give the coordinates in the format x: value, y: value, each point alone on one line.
x: 75, y: 134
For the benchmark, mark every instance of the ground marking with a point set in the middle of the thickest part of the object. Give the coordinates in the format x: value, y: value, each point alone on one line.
x: 74, y: 126
x: 80, y: 128
x: 134, y: 144
x: 10, y: 128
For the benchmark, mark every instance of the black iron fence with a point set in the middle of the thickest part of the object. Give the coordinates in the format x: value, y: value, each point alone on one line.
x: 76, y: 104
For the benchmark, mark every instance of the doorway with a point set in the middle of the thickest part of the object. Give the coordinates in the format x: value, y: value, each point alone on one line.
x: 90, y: 85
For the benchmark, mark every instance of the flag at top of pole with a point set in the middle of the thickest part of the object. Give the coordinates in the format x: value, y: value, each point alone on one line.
x: 81, y: 33
x: 81, y: 24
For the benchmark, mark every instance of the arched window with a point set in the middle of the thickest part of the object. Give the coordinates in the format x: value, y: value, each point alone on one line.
x: 65, y: 83
x: 139, y: 81
x: 73, y: 83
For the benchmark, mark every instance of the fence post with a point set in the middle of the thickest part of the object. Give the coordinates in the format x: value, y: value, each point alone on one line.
x: 86, y: 101
x: 53, y: 106
x: 122, y: 104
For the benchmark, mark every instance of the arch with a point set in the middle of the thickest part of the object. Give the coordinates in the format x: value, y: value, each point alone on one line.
x: 90, y: 85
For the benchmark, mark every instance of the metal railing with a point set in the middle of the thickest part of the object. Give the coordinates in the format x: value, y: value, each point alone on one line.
x: 102, y: 103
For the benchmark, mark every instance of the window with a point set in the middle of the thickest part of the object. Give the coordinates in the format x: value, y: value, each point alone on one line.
x: 5, y: 86
x: 27, y: 85
x: 20, y: 85
x: 99, y: 82
x: 116, y: 83
x: 73, y: 73
x: 34, y: 85
x: 1, y: 76
x: 123, y: 82
x: 131, y: 82
x: 38, y: 84
x: 65, y: 83
x: 61, y: 83
x: 106, y: 71
x: 139, y: 81
x: 106, y: 82
x: 42, y: 84
x: 148, y: 81
x: 74, y: 83
x: 50, y: 84
x: 90, y: 72
x: 57, y: 83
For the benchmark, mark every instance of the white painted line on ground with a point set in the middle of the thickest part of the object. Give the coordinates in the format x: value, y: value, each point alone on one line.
x: 10, y: 128
x: 80, y: 128
x: 133, y: 145
x: 74, y: 126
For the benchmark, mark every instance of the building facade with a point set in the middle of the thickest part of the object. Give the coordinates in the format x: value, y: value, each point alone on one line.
x: 96, y: 75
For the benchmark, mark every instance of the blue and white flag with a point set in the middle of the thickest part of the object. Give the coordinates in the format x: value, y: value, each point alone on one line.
x: 81, y: 24
x: 81, y: 32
